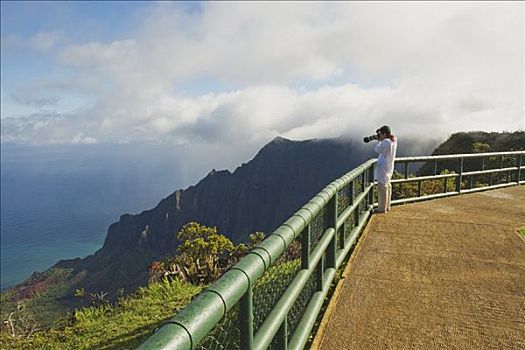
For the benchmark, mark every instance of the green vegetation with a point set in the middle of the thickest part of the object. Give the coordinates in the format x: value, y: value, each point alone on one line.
x: 522, y: 231
x: 128, y: 322
x: 475, y: 142
x: 463, y: 142
x: 198, y: 256
x: 428, y: 187
x: 38, y: 309
x: 34, y: 323
x: 203, y: 256
x: 122, y: 326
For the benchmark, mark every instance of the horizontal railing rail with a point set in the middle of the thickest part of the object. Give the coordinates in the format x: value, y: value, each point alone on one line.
x: 271, y: 298
x: 510, y: 164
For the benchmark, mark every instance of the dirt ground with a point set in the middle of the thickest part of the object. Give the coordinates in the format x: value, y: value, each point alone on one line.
x: 441, y: 274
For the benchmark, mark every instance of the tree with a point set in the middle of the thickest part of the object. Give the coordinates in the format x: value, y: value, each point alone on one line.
x: 480, y: 147
x: 203, y: 256
x: 198, y: 258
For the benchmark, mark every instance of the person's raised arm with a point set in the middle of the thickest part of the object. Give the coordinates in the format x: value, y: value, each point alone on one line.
x: 380, y: 147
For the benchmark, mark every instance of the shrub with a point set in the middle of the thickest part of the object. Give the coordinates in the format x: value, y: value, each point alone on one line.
x: 198, y: 257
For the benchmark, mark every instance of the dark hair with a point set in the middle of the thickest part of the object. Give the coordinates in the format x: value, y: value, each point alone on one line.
x: 385, y: 129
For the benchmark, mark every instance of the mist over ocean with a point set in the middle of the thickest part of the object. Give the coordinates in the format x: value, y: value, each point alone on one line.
x: 57, y: 202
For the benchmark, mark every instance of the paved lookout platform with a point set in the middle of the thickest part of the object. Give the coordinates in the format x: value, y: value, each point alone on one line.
x: 441, y: 274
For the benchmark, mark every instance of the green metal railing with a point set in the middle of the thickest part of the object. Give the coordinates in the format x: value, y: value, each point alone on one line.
x: 493, y: 170
x: 272, y: 297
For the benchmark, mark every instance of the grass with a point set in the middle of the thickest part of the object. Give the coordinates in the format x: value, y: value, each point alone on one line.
x: 522, y: 231
x: 124, y: 326
x: 132, y: 320
x: 44, y: 307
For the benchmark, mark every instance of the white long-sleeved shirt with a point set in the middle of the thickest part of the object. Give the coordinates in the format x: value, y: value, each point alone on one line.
x: 385, y: 162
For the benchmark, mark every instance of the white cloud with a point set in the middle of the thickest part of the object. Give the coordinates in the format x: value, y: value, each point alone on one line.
x: 255, y: 115
x: 300, y: 70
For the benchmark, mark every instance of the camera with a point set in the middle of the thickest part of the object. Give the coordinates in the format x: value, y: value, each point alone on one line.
x: 370, y: 138
x: 373, y: 137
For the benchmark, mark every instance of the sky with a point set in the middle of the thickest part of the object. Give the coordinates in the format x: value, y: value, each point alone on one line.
x: 234, y: 75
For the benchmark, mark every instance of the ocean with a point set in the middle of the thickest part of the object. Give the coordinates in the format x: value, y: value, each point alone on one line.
x: 57, y: 202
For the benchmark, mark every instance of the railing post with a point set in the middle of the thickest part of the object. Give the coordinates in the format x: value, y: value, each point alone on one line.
x: 356, y: 216
x: 459, y: 178
x: 246, y: 319
x: 320, y: 275
x: 419, y: 188
x: 351, y: 192
x: 331, y: 251
x: 342, y: 238
x: 406, y: 170
x: 366, y: 176
x: 282, y: 336
x: 519, y: 168
x: 305, y: 248
x: 445, y: 185
x: 371, y: 181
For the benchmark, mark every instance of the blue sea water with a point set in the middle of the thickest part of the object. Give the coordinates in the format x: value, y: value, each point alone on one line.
x: 57, y: 202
